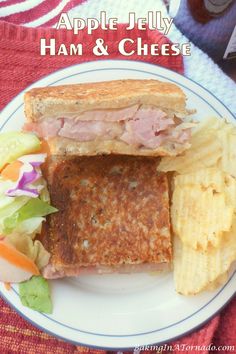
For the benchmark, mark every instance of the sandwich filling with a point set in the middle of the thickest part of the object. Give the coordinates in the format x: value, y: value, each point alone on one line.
x: 138, y: 125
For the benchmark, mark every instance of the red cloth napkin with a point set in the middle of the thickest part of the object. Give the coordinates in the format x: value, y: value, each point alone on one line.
x: 21, y: 65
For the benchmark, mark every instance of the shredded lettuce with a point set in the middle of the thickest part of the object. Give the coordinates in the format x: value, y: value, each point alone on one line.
x: 4, y: 185
x: 32, y: 249
x: 23, y: 206
x: 8, y: 205
x: 10, y: 209
x: 44, y: 193
x: 5, y: 200
x: 36, y: 207
x: 33, y: 208
x: 30, y: 227
x: 35, y: 294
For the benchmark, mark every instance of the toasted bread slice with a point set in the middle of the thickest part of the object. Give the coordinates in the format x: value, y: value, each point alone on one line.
x: 71, y: 100
x: 68, y: 147
x: 113, y: 216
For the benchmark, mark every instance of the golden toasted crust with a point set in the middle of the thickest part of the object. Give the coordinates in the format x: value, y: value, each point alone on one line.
x: 70, y: 100
x: 113, y: 210
x: 69, y: 147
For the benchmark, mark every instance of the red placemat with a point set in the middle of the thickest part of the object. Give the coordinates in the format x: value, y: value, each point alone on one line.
x: 21, y: 65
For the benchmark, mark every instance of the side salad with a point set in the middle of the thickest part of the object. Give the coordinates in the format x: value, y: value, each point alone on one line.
x: 24, y: 204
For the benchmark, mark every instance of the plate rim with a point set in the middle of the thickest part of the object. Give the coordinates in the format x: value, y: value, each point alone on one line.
x: 221, y: 289
x: 154, y: 66
x: 70, y: 341
x: 9, y: 107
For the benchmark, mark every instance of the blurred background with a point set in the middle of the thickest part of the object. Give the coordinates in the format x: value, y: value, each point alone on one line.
x: 210, y: 25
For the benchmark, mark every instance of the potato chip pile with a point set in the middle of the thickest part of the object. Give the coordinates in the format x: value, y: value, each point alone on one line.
x: 203, y: 210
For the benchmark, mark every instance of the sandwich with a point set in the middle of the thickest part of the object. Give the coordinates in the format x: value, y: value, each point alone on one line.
x: 129, y: 117
x: 113, y: 216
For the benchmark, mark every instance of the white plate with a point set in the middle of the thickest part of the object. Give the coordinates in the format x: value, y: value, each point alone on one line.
x: 121, y: 311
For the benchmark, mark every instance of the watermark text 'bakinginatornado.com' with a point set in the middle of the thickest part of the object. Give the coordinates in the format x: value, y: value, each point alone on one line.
x: 168, y: 348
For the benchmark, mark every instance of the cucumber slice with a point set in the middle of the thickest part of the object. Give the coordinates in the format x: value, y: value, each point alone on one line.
x: 16, y: 144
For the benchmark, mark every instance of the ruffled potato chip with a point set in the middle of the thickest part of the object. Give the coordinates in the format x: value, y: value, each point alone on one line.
x: 200, y: 216
x: 222, y: 279
x: 213, y: 143
x: 203, y: 210
x: 230, y: 190
x: 227, y: 137
x: 205, y: 153
x: 207, y: 177
x: 195, y: 270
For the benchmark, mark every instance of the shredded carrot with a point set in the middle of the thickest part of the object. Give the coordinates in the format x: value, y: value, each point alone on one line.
x: 2, y: 168
x: 7, y: 286
x: 17, y: 258
x: 12, y: 171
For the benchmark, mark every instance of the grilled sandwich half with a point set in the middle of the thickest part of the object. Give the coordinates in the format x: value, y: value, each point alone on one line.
x: 132, y: 117
x: 113, y: 216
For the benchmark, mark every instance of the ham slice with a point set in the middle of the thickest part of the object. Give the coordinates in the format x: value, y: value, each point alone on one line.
x: 49, y: 272
x: 47, y: 128
x: 141, y: 126
x: 144, y: 129
x: 90, y: 130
